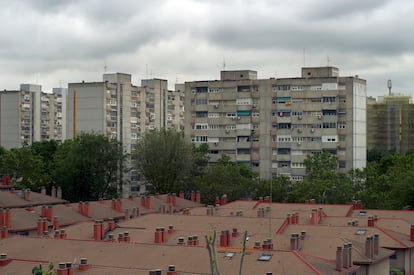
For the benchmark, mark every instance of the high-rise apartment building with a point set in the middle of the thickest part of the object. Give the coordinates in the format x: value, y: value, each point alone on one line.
x: 116, y: 108
x: 272, y: 124
x: 28, y: 115
x: 390, y: 124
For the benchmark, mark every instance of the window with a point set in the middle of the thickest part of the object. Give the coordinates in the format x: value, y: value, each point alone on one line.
x: 329, y: 112
x: 201, y: 90
x: 298, y: 165
x: 283, y: 151
x: 213, y: 115
x: 231, y: 115
x: 213, y: 90
x: 361, y: 232
x: 329, y: 125
x: 341, y: 126
x: 243, y: 101
x: 329, y: 138
x: 214, y: 127
x: 284, y: 138
x: 284, y: 87
x: 283, y: 164
x: 200, y: 138
x: 297, y: 113
x: 283, y: 125
x: 201, y: 126
x: 265, y: 257
x: 201, y: 101
x: 329, y: 99
x: 284, y: 99
x: 201, y: 114
x: 255, y: 114
x: 342, y: 164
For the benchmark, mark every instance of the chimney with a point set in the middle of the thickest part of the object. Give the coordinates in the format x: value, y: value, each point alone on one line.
x: 376, y: 244
x: 7, y: 218
x: 171, y: 270
x: 83, y: 265
x: 370, y: 221
x: 111, y: 237
x: 180, y: 241
x: 111, y: 224
x: 49, y: 213
x: 288, y: 218
x: 148, y: 202
x: 171, y: 229
x: 223, y: 239
x: 4, y: 232
x: 235, y: 233
x: 2, y: 218
x: 62, y: 269
x: 4, y: 260
x: 182, y: 195
x: 412, y: 233
x: 350, y: 262
x: 192, y: 196
x: 56, y: 223
x: 69, y: 268
x: 302, y: 235
x: 119, y: 205
x: 39, y: 226
x: 158, y: 235
x: 126, y: 211
x: 44, y: 211
x: 113, y: 204
x: 63, y: 234
x: 339, y: 258
x: 314, y: 216
x: 127, y: 238
x: 293, y: 241
x: 59, y: 192
x: 345, y: 255
x: 97, y: 233
x: 87, y: 209
x: 155, y: 272
x: 53, y: 192
x: 80, y: 208
x: 45, y: 225
x: 368, y: 247
x: 120, y: 237
x: 43, y: 190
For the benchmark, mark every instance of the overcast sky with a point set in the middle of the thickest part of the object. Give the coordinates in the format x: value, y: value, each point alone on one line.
x: 55, y: 42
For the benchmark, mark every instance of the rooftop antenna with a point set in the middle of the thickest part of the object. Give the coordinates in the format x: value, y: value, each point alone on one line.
x: 328, y: 60
x: 176, y: 78
x: 389, y: 85
x: 105, y: 67
x: 224, y: 64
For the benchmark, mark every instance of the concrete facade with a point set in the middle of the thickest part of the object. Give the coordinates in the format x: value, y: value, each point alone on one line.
x: 28, y: 115
x: 120, y: 110
x: 271, y: 125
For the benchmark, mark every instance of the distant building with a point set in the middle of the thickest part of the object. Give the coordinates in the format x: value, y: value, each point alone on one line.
x: 390, y: 124
x: 272, y: 124
x: 28, y: 115
x: 120, y: 110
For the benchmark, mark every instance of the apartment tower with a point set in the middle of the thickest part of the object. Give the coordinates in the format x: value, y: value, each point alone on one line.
x: 272, y: 125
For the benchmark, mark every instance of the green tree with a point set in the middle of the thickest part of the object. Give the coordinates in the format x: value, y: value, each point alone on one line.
x: 281, y: 189
x: 89, y: 167
x: 322, y: 182
x: 23, y: 167
x: 46, y: 150
x: 165, y: 160
x: 226, y: 177
x: 38, y: 270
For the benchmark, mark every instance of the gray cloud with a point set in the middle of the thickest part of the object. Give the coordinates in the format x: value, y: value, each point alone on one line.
x: 53, y: 41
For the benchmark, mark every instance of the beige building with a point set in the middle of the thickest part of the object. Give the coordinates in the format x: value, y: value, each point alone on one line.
x: 389, y: 124
x: 117, y: 108
x: 272, y: 124
x: 28, y: 115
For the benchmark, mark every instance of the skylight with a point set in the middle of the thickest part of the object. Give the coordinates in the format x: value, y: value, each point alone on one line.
x: 361, y: 232
x: 265, y: 257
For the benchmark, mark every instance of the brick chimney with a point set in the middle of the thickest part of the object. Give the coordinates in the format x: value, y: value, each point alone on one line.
x: 49, y: 213
x: 4, y: 232
x: 62, y: 269
x: 53, y: 194
x: 63, y: 234
x: 192, y: 196
x: 69, y: 268
x: 87, y: 209
x: 98, y: 230
x: 339, y: 257
x: 223, y: 200
x: 171, y: 229
x: 182, y: 196
x: 83, y: 265
x: 171, y: 270
x: 55, y: 223
x: 345, y: 255
x: 370, y: 221
x: 412, y: 233
x: 174, y: 199
x: 314, y: 216
x: 7, y: 218
x: 148, y: 202
x: 111, y: 224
